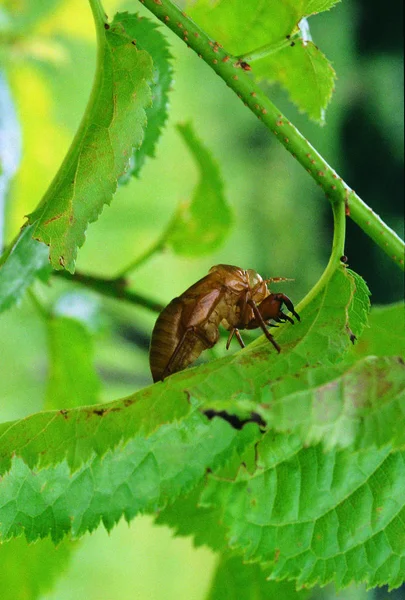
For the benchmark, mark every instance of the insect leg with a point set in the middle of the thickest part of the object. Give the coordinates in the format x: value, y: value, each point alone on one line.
x: 262, y: 324
x: 230, y: 336
x: 239, y: 338
x: 235, y: 332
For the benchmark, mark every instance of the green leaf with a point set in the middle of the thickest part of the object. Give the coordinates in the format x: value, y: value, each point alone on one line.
x: 30, y: 570
x: 24, y: 261
x: 48, y: 438
x: 186, y: 515
x: 267, y: 35
x: 339, y: 402
x: 148, y: 37
x: 144, y: 475
x: 112, y: 126
x: 235, y: 580
x: 359, y: 307
x: 351, y: 404
x: 305, y: 72
x: 386, y: 333
x: 200, y: 226
x: 304, y: 514
x: 72, y: 379
x: 317, y: 517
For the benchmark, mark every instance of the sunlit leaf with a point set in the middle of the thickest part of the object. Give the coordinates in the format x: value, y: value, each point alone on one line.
x: 113, y: 125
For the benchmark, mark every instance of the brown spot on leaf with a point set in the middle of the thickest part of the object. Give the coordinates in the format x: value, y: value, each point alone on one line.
x: 99, y: 411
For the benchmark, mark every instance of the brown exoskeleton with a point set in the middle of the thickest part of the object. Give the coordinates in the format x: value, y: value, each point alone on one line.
x: 228, y: 295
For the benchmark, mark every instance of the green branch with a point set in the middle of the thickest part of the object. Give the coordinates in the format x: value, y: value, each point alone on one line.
x: 112, y: 288
x: 228, y: 67
x: 99, y: 15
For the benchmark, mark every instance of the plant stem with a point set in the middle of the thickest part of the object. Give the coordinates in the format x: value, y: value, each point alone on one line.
x: 113, y: 288
x: 229, y: 69
x: 99, y: 15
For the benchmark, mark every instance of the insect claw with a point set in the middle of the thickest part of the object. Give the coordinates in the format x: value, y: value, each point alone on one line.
x: 287, y: 318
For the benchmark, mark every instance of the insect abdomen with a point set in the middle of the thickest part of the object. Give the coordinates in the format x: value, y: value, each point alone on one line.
x: 165, y: 338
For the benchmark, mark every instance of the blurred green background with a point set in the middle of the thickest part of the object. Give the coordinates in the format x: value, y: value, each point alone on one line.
x: 282, y: 227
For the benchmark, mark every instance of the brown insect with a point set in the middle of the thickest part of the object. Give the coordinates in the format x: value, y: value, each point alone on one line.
x: 228, y: 296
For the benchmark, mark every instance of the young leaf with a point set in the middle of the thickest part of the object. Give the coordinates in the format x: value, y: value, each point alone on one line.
x: 305, y: 72
x: 24, y: 260
x: 268, y: 36
x: 235, y: 580
x: 112, y: 126
x: 200, y: 226
x: 317, y: 517
x: 145, y: 474
x: 72, y: 379
x: 148, y: 37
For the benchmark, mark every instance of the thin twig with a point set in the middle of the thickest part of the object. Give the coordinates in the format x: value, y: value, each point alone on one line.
x: 113, y: 288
